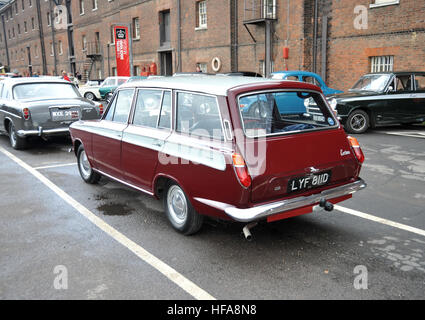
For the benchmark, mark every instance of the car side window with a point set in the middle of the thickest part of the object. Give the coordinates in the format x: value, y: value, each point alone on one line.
x: 147, y: 109
x: 198, y: 115
x: 120, y: 107
x: 1, y: 90
x: 404, y: 83
x: 420, y: 82
x: 292, y: 78
x: 310, y: 79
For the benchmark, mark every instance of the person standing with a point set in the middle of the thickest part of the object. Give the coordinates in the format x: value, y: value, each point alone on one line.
x: 65, y: 76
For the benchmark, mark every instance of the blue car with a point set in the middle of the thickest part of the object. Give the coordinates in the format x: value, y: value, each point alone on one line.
x: 305, y: 76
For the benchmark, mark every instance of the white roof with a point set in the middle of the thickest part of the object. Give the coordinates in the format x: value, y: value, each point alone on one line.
x: 211, y: 84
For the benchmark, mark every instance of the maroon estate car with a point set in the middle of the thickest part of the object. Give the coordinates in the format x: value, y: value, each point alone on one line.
x: 225, y: 147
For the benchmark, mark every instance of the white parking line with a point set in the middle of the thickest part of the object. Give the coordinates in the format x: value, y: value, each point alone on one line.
x: 56, y: 166
x: 380, y: 220
x: 156, y: 263
x: 412, y: 134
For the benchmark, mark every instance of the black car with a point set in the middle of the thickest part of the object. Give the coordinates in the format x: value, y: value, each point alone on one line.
x: 382, y: 99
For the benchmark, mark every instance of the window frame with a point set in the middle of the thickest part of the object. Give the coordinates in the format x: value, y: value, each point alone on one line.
x: 201, y: 15
x: 114, y: 101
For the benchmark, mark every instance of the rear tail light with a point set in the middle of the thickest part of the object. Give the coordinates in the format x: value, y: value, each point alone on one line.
x: 26, y: 113
x: 356, y: 148
x: 241, y: 170
x: 101, y: 109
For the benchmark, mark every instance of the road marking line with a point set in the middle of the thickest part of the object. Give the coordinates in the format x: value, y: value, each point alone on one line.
x: 420, y: 135
x: 143, y: 254
x: 56, y: 166
x: 380, y: 220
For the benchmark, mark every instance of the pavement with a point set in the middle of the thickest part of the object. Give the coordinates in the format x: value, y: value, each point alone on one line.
x: 64, y: 239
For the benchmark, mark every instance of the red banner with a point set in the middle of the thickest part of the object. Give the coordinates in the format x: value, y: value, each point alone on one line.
x: 122, y: 50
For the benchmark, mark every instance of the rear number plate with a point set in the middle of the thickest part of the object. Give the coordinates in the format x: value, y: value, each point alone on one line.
x: 65, y: 115
x: 309, y: 182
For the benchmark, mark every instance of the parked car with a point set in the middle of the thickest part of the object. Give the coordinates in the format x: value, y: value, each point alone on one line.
x: 110, y: 84
x: 91, y: 89
x: 305, y: 76
x: 184, y: 140
x: 383, y: 99
x: 136, y: 78
x: 41, y: 107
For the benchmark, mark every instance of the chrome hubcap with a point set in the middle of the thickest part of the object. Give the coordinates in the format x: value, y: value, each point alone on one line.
x: 177, y: 204
x: 358, y: 122
x: 85, y: 165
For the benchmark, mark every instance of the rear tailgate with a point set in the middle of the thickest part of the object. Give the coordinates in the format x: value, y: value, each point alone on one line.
x: 302, y: 163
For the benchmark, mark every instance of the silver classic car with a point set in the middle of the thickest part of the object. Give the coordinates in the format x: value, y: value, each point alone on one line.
x: 41, y: 107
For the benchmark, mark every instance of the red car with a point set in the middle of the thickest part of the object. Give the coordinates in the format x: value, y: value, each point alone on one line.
x: 222, y: 147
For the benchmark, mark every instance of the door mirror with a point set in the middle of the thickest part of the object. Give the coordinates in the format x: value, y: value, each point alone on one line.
x: 390, y: 89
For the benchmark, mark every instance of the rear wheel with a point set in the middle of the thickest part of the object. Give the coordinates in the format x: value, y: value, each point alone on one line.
x: 357, y: 122
x: 180, y: 212
x: 90, y: 96
x: 84, y: 167
x: 16, y: 142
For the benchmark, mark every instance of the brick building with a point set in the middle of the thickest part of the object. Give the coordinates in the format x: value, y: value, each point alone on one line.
x: 340, y: 39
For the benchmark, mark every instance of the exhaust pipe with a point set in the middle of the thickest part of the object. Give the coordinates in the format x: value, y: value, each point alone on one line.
x: 246, y: 230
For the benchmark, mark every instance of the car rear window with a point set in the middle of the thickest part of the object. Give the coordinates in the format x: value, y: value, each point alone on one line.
x: 45, y: 91
x: 283, y: 112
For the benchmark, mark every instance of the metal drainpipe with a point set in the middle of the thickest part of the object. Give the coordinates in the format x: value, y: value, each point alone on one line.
x: 179, y: 38
x: 316, y: 9
x: 41, y: 35
x: 5, y: 42
x: 52, y: 22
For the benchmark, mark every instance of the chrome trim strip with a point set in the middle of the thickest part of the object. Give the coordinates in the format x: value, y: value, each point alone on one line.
x: 123, y: 182
x: 42, y: 132
x: 14, y: 115
x: 262, y: 211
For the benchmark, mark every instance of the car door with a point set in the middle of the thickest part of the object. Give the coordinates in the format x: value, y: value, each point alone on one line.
x: 401, y: 100
x: 2, y: 106
x: 107, y: 134
x: 419, y: 96
x: 145, y: 136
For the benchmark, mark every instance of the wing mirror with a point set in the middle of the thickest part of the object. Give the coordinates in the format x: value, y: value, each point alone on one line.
x: 390, y: 89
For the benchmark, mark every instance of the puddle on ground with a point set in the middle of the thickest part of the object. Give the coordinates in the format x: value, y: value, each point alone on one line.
x: 406, y: 255
x: 115, y: 209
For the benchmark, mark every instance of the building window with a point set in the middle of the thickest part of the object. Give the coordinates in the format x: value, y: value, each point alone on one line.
x: 52, y: 49
x: 381, y: 3
x: 13, y: 32
x: 30, y: 3
x: 114, y: 71
x: 202, y: 14
x: 137, y: 71
x: 382, y: 63
x: 60, y: 47
x: 94, y: 4
x: 19, y: 28
x: 23, y: 5
x: 84, y: 43
x: 136, y: 28
x: 81, y: 7
x: 36, y: 51
x: 16, y: 7
x: 269, y: 9
x: 8, y: 31
x: 32, y: 23
x: 25, y: 27
x: 48, y: 19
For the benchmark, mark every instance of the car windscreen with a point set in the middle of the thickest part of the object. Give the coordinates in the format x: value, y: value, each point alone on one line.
x: 373, y: 82
x: 45, y: 91
x: 283, y: 112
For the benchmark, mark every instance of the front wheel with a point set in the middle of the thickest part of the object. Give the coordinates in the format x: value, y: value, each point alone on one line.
x: 90, y: 96
x: 357, y: 122
x: 180, y: 212
x: 86, y: 171
x: 16, y: 142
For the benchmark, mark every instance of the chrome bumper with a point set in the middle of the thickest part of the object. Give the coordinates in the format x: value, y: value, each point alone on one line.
x: 42, y: 132
x: 262, y: 211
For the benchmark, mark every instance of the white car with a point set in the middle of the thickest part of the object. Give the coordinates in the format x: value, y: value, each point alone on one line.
x: 91, y: 90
